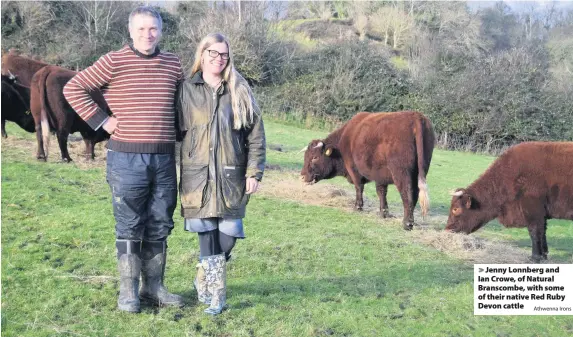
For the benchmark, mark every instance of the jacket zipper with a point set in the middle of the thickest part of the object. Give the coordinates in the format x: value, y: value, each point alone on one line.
x: 191, y: 143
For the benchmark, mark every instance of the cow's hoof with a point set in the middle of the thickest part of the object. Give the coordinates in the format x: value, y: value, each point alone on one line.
x: 408, y: 226
x: 536, y: 258
x: 67, y: 160
x: 358, y: 209
x: 387, y: 215
x: 41, y: 159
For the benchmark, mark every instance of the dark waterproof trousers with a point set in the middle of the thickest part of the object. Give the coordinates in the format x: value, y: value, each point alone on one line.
x: 144, y: 194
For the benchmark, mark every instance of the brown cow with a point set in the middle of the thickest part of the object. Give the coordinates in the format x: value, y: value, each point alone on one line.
x: 51, y: 110
x: 16, y: 105
x: 387, y: 148
x: 21, y: 67
x: 528, y: 184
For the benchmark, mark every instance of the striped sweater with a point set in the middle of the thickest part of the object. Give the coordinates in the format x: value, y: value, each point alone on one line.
x: 140, y: 91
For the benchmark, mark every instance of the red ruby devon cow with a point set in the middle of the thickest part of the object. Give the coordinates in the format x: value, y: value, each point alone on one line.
x: 51, y: 111
x: 387, y: 148
x: 527, y: 185
x: 23, y: 68
x: 15, y: 105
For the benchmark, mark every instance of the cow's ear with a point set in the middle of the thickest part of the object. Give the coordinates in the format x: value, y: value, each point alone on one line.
x: 467, y: 201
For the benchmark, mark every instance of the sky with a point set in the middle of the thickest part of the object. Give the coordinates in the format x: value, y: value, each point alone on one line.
x: 524, y: 5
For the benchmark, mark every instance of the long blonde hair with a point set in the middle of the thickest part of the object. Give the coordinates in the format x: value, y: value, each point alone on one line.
x: 244, y: 106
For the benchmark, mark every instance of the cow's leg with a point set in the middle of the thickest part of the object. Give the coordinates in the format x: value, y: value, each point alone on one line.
x: 90, y: 149
x: 544, y: 250
x: 4, y: 134
x: 40, y: 154
x: 403, y: 180
x: 536, y: 233
x: 534, y: 216
x: 359, y: 187
x: 382, y: 190
x: 359, y: 204
x: 63, y: 142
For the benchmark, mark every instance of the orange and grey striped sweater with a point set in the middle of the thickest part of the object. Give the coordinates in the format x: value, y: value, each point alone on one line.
x: 140, y: 91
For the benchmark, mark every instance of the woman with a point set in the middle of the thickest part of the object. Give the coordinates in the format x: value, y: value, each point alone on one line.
x: 222, y: 161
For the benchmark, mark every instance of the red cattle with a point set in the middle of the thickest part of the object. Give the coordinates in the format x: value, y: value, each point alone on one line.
x: 51, y: 111
x: 21, y: 67
x: 387, y: 148
x: 16, y: 105
x: 528, y: 184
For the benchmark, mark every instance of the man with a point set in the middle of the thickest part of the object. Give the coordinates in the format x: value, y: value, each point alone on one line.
x: 139, y: 83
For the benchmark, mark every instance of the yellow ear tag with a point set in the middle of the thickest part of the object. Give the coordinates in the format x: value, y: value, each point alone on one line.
x: 328, y: 152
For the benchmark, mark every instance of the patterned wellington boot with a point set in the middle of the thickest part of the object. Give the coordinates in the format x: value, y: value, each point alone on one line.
x: 200, y: 284
x: 216, y: 276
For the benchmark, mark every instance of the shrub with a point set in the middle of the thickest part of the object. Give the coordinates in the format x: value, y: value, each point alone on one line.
x: 336, y: 82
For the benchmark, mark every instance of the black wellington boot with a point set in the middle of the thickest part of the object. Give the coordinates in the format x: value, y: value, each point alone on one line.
x: 129, y: 267
x: 154, y: 255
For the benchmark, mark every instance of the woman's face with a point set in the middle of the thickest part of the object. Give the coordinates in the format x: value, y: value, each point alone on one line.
x: 215, y: 58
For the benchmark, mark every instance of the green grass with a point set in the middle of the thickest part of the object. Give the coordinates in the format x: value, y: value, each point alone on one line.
x: 302, y: 271
x: 449, y: 170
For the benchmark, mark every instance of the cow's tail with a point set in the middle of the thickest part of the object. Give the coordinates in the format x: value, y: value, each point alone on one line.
x: 44, y: 112
x: 423, y: 197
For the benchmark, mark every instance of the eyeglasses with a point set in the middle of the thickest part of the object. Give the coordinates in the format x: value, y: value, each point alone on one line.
x: 214, y: 54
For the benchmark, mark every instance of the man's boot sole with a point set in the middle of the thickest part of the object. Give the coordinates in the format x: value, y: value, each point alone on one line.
x: 157, y: 303
x: 129, y: 308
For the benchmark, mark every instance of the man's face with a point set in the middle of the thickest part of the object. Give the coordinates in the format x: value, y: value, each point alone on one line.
x: 145, y: 33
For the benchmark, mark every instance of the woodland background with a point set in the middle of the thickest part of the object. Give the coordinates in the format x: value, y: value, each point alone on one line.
x: 487, y: 76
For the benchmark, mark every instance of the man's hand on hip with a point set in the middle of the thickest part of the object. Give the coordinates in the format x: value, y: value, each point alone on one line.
x: 110, y: 125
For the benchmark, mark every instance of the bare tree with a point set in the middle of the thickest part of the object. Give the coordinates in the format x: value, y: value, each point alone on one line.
x: 95, y: 18
x: 359, y: 11
x: 392, y: 22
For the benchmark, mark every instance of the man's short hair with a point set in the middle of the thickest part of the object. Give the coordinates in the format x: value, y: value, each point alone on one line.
x: 146, y: 10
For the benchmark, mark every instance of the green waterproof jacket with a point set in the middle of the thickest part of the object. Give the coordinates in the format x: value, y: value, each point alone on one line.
x: 215, y: 158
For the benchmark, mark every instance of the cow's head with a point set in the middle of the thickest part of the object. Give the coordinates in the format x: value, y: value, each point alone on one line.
x: 319, y: 162
x: 12, y: 77
x: 9, y: 77
x: 465, y: 214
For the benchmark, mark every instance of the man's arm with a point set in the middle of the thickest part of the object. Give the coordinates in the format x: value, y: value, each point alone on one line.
x: 180, y: 129
x: 78, y: 88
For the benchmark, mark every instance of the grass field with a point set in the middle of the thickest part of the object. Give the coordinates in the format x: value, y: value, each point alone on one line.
x: 310, y: 265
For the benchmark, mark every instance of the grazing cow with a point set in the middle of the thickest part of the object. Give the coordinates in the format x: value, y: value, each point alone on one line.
x: 52, y: 111
x: 387, y: 148
x: 528, y: 184
x: 21, y: 67
x: 16, y: 105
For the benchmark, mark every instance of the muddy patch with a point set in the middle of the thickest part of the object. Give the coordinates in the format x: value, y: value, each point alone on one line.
x: 27, y: 148
x: 471, y: 248
x: 429, y: 232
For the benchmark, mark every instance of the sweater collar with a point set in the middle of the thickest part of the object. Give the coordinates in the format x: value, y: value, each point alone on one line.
x: 140, y: 54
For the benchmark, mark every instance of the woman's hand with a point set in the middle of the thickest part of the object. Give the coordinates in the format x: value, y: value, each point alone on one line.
x: 252, y: 185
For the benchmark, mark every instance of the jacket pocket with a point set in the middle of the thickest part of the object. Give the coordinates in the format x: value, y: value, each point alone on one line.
x: 193, y: 186
x: 234, y: 186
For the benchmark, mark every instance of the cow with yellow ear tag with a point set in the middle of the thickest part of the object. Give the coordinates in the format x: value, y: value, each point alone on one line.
x: 387, y: 148
x: 528, y: 184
